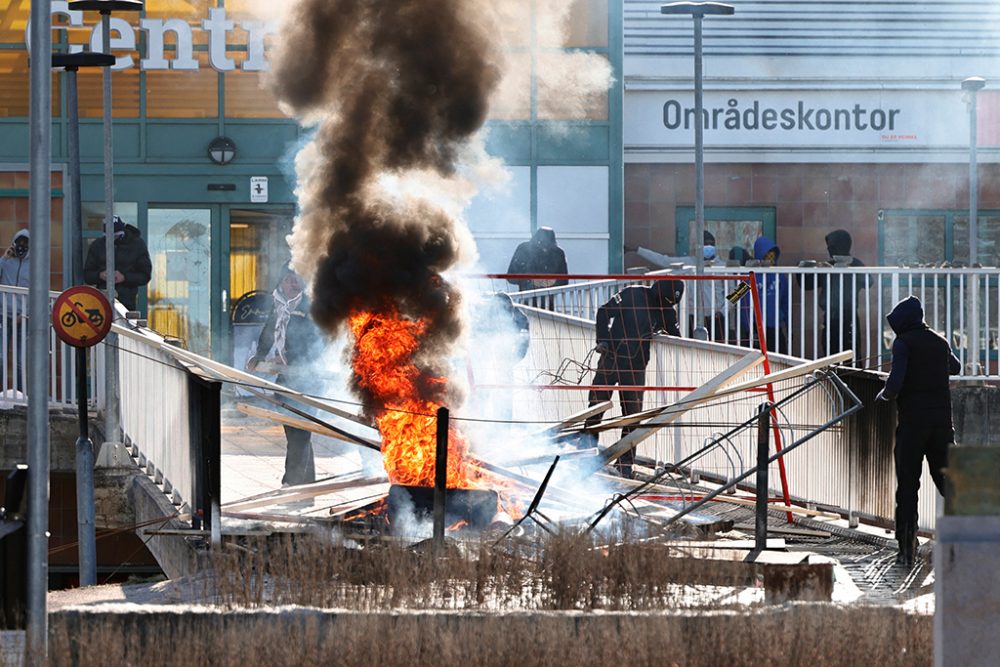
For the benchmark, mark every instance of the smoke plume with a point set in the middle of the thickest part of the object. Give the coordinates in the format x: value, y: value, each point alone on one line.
x: 392, y: 88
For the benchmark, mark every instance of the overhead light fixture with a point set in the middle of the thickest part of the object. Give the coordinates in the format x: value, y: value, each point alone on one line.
x: 222, y: 150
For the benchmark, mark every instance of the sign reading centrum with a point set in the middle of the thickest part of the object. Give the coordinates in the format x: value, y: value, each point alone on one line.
x: 124, y: 38
x: 833, y: 118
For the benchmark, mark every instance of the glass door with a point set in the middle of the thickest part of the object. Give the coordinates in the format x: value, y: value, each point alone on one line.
x: 181, y: 294
x: 258, y: 252
x: 206, y: 259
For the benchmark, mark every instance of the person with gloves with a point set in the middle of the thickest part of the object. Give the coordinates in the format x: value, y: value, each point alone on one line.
x: 625, y: 326
x: 922, y: 362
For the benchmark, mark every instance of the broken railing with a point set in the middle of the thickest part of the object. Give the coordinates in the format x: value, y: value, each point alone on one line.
x: 953, y: 298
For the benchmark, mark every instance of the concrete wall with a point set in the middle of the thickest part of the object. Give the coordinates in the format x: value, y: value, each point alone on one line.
x: 14, y: 439
x: 816, y: 634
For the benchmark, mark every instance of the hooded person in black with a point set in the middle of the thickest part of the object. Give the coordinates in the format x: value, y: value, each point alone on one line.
x: 133, y: 267
x: 840, y: 291
x: 540, y: 255
x: 625, y: 326
x: 922, y: 362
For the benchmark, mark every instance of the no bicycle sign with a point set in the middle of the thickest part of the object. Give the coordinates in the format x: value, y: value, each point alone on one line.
x: 81, y: 316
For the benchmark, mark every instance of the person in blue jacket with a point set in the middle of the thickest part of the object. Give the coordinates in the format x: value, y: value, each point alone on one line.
x: 774, y: 292
x: 922, y: 363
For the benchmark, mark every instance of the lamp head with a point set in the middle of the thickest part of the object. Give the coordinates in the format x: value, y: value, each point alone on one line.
x: 698, y: 8
x: 973, y: 84
x: 106, y: 6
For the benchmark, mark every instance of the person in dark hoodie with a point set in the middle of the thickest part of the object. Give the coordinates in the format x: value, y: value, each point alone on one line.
x: 774, y: 292
x: 840, y: 291
x: 625, y: 325
x: 133, y: 268
x: 922, y: 362
x: 14, y: 272
x: 540, y: 255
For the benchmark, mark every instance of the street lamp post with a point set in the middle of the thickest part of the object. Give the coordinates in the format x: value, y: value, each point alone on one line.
x: 698, y: 11
x: 70, y: 63
x: 971, y: 86
x: 105, y: 7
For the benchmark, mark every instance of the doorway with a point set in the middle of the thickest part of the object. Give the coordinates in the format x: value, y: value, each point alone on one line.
x: 205, y: 258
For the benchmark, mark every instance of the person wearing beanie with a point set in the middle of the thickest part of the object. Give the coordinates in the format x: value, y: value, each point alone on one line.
x: 625, y: 326
x: 133, y: 268
x: 839, y: 290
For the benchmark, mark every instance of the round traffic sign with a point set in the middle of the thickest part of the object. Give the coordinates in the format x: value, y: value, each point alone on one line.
x: 81, y: 316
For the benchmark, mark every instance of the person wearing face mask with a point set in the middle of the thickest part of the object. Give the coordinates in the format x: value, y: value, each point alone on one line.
x: 133, y: 268
x: 14, y: 272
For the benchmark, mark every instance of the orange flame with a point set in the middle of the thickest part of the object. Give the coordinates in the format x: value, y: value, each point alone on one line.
x: 384, y: 347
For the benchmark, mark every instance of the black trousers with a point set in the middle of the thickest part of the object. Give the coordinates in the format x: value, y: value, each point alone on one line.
x: 917, y: 439
x: 612, y: 370
x: 300, y: 467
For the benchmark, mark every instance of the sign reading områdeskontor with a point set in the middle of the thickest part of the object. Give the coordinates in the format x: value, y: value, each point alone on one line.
x: 850, y: 118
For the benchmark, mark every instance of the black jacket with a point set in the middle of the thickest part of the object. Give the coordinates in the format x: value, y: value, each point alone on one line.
x: 630, y: 318
x: 131, y: 259
x: 540, y: 255
x: 922, y: 362
x: 838, y: 243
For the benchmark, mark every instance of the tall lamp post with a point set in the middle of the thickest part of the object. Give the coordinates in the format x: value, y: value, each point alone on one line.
x: 698, y: 11
x: 971, y: 86
x: 111, y: 438
x: 86, y: 539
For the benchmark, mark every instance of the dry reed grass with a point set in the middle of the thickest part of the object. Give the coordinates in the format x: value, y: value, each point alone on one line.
x: 568, y: 599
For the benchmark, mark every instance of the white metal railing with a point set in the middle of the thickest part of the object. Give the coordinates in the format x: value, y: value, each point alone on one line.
x: 827, y: 470
x: 13, y: 369
x: 155, y: 411
x: 951, y: 298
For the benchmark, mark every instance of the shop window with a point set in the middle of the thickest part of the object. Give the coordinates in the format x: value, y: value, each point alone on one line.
x: 124, y: 93
x: 183, y: 94
x: 571, y: 86
x: 14, y: 215
x: 248, y: 96
x: 512, y: 98
x: 732, y: 227
x: 14, y: 84
x: 909, y: 238
x: 584, y: 24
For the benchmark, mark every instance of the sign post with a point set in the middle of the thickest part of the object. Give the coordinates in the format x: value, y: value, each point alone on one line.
x: 81, y: 317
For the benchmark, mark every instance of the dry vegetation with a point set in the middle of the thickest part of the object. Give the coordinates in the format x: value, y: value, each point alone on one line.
x: 566, y: 600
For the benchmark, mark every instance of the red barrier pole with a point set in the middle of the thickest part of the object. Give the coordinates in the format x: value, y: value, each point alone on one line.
x: 762, y: 340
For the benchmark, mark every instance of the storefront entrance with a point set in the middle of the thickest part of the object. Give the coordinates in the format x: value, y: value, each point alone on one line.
x: 205, y: 258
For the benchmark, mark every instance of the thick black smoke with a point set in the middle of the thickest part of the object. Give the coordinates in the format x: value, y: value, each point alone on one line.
x: 394, y: 86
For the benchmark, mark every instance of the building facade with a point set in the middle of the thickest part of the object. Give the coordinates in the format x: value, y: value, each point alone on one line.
x: 819, y: 116
x: 203, y: 156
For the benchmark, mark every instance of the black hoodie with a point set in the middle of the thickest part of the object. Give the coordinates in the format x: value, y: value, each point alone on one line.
x: 922, y: 362
x: 131, y: 260
x: 838, y: 244
x: 540, y: 255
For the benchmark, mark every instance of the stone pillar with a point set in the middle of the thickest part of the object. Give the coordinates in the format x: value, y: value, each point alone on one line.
x: 967, y: 561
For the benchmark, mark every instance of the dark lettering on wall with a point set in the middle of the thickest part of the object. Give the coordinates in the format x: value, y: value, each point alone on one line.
x: 802, y: 116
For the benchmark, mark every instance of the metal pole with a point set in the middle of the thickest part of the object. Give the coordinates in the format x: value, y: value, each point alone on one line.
x: 110, y: 445
x: 440, y: 477
x: 763, y: 441
x: 39, y: 204
x: 700, y: 332
x: 86, y: 538
x: 973, y: 235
